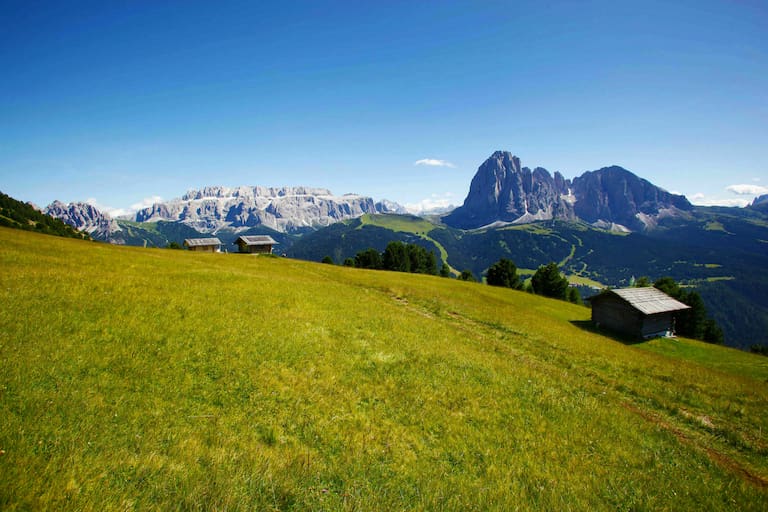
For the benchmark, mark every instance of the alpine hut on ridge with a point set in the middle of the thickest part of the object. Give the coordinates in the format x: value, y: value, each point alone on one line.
x: 255, y: 244
x: 638, y: 312
x: 203, y: 244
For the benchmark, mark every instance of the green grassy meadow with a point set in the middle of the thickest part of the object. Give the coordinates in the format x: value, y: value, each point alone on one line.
x: 404, y: 223
x: 150, y: 379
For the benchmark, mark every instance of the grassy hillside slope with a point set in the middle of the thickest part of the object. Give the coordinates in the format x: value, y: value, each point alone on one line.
x: 725, y: 264
x: 151, y: 379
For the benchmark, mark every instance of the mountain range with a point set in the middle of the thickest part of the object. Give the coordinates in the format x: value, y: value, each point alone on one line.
x: 285, y: 209
x: 210, y: 209
x: 503, y: 192
x: 602, y: 227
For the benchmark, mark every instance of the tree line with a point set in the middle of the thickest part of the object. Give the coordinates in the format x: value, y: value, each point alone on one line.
x: 404, y: 257
x: 398, y: 257
x: 548, y: 281
x: 15, y: 214
x: 691, y: 323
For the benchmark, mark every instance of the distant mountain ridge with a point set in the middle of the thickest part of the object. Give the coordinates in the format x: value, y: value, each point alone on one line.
x: 284, y: 209
x: 26, y: 216
x: 84, y: 217
x: 502, y: 191
x: 237, y: 209
x: 760, y: 203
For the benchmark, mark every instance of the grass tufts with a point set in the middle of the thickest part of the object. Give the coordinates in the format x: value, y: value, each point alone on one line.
x: 147, y: 379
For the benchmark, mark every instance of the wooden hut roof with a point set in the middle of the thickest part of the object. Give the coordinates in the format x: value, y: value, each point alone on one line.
x: 649, y: 300
x: 201, y: 242
x: 257, y: 240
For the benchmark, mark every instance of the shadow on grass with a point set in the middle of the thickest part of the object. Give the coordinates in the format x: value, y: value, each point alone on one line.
x: 589, y: 326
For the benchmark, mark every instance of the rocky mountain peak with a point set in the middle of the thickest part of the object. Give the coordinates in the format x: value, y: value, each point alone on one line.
x: 760, y: 203
x: 614, y: 195
x: 84, y: 217
x: 280, y: 208
x: 251, y: 192
x: 503, y: 191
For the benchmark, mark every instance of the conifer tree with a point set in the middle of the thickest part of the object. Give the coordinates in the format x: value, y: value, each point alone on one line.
x: 503, y: 273
x: 548, y: 281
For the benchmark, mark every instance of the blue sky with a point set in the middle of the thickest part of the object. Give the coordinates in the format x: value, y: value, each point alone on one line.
x: 118, y: 102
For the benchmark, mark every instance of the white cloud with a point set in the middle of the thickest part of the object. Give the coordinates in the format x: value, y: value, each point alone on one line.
x: 747, y: 190
x: 700, y: 199
x: 103, y: 208
x: 146, y: 202
x: 434, y: 202
x: 119, y: 212
x: 433, y: 162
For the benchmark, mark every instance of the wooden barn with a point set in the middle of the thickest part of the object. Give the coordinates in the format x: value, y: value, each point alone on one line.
x: 203, y: 244
x: 638, y: 312
x: 255, y: 244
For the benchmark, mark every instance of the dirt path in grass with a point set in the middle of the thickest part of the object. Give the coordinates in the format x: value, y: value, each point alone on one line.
x: 715, y: 456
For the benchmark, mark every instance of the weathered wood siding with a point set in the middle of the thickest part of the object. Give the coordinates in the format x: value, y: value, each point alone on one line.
x: 658, y: 323
x: 613, y: 313
x: 204, y: 248
x: 261, y: 249
x: 254, y: 249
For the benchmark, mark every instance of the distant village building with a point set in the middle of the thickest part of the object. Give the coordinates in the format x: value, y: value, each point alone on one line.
x: 255, y: 244
x: 203, y: 244
x: 639, y: 312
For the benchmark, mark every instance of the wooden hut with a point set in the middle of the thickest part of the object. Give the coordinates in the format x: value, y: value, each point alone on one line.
x: 255, y: 244
x: 203, y: 244
x: 638, y: 312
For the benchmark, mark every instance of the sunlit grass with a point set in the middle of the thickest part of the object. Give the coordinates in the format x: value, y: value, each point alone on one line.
x: 155, y: 379
x: 714, y: 226
x: 407, y: 224
x: 735, y: 362
x: 584, y: 281
x: 404, y: 223
x: 535, y: 228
